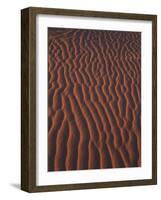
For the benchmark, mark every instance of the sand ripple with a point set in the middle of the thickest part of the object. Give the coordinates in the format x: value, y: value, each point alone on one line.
x: 94, y: 99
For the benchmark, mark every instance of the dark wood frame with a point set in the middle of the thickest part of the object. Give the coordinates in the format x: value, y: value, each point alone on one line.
x: 28, y: 99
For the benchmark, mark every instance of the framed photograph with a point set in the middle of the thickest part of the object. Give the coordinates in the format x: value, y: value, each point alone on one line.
x: 89, y: 99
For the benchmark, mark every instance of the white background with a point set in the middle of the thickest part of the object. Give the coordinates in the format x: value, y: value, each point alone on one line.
x: 10, y: 99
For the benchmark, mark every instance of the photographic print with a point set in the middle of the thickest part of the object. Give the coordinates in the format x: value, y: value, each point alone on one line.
x: 88, y: 99
x: 94, y: 99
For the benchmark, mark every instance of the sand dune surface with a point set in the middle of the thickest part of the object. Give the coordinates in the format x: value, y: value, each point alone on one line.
x: 94, y: 99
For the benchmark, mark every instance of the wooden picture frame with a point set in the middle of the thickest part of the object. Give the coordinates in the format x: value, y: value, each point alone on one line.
x: 28, y: 98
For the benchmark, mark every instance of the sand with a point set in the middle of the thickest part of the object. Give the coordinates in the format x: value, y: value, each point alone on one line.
x: 94, y: 99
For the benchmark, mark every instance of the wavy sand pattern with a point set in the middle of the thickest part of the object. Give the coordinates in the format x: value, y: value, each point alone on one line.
x: 94, y: 99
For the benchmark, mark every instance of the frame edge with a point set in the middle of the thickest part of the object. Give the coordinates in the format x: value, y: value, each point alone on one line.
x: 28, y: 100
x: 91, y: 13
x: 24, y: 99
x: 154, y: 99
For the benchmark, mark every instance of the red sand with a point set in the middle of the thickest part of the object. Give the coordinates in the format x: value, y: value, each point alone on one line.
x: 94, y: 99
